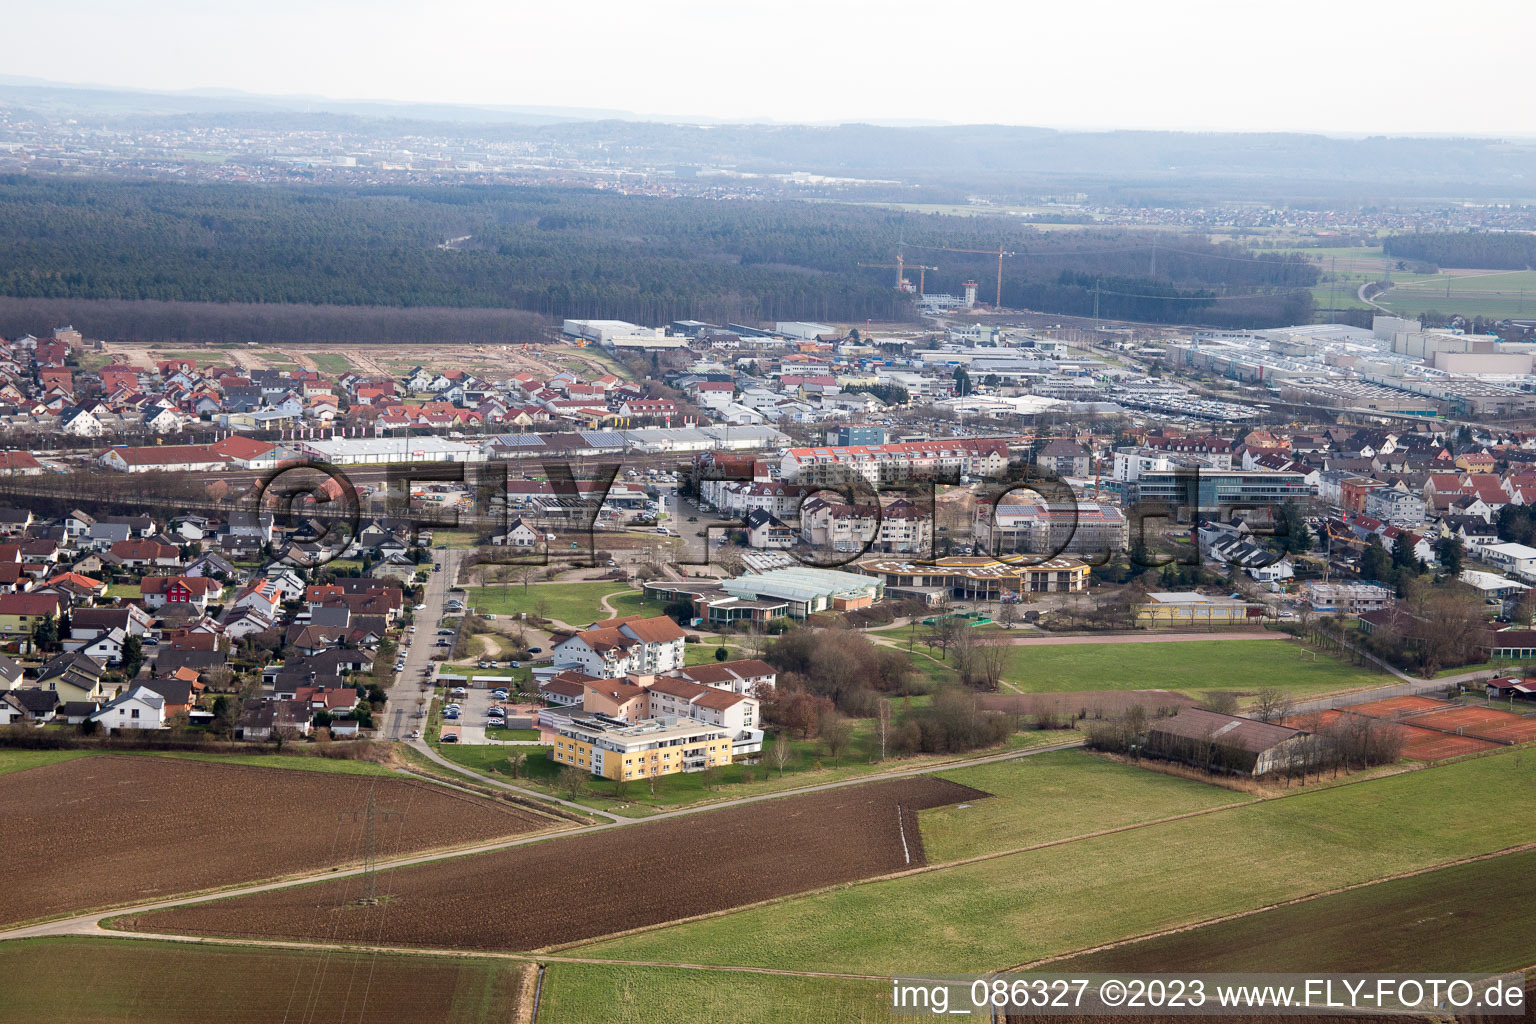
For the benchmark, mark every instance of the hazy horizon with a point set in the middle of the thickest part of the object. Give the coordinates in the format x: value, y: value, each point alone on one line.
x: 1316, y: 67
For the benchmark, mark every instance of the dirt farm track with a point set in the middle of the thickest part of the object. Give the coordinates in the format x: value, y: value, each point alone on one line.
x: 580, y: 887
x: 110, y: 830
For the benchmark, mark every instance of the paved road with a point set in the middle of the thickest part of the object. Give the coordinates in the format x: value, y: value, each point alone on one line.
x: 403, y: 692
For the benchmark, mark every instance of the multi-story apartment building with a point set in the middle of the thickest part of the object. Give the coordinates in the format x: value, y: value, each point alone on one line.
x: 885, y: 463
x: 615, y: 749
x: 899, y: 527
x: 1082, y: 528
x: 634, y: 644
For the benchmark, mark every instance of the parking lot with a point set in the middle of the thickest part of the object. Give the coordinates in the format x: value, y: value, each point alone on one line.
x: 472, y: 717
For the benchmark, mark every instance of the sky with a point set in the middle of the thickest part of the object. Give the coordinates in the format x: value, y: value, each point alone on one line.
x: 1337, y: 66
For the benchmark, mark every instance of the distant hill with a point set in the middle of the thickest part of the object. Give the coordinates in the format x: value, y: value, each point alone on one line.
x: 1001, y: 159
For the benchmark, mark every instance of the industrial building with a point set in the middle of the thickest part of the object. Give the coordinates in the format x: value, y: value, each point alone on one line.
x: 360, y: 451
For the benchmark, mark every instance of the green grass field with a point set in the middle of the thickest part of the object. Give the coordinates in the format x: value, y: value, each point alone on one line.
x: 579, y: 993
x: 129, y: 981
x: 1055, y: 796
x: 573, y: 603
x: 331, y: 362
x: 298, y: 762
x: 1470, y: 293
x: 21, y: 760
x: 1462, y: 918
x: 1021, y: 907
x: 1242, y: 666
x: 130, y: 591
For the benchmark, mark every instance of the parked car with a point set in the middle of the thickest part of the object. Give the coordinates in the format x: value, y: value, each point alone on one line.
x: 499, y: 693
x: 450, y: 738
x: 535, y: 650
x: 445, y: 632
x: 459, y: 691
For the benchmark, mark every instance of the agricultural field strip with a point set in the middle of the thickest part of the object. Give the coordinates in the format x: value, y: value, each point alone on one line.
x: 90, y: 923
x: 442, y: 905
x: 113, y: 795
x: 959, y: 862
x: 1454, y: 918
x: 806, y: 932
x: 1299, y: 900
x: 557, y: 957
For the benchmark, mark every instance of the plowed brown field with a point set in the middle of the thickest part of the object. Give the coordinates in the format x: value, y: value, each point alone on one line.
x: 108, y: 830
x: 589, y: 885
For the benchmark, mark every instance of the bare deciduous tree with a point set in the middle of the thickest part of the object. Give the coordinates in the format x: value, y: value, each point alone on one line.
x: 1272, y: 704
x: 780, y: 754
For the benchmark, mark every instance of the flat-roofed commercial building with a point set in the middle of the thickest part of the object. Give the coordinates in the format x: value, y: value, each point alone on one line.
x: 806, y: 591
x: 358, y: 451
x: 1180, y: 609
x: 1213, y: 490
x: 615, y: 749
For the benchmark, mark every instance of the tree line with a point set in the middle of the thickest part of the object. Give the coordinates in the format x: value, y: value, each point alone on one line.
x: 1497, y: 251
x: 567, y: 252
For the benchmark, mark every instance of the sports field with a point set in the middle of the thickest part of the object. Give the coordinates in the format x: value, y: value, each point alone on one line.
x: 1462, y: 918
x: 1076, y: 895
x: 127, y: 981
x: 1242, y: 666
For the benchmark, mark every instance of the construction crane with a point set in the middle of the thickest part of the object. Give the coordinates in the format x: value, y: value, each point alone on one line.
x: 900, y: 266
x: 999, y: 252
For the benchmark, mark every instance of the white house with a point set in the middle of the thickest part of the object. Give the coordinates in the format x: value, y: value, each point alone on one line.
x: 634, y: 645
x: 139, y: 708
x: 519, y: 535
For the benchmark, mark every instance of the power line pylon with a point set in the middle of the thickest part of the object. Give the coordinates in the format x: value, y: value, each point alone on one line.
x: 370, y: 812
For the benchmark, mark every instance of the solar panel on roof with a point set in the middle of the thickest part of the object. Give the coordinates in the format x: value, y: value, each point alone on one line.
x: 520, y: 440
x: 602, y: 438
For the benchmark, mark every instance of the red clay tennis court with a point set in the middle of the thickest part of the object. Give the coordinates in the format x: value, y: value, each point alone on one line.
x: 1418, y: 744
x: 1486, y: 722
x: 1394, y: 706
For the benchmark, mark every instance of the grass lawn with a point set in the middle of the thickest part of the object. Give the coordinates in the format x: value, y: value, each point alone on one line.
x: 810, y: 765
x: 331, y: 362
x: 301, y: 762
x: 703, y: 652
x: 21, y: 760
x: 577, y: 993
x: 126, y: 981
x: 1456, y: 919
x: 1017, y: 908
x: 1242, y: 666
x: 128, y: 590
x: 1054, y: 796
x: 634, y: 604
x: 572, y: 603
